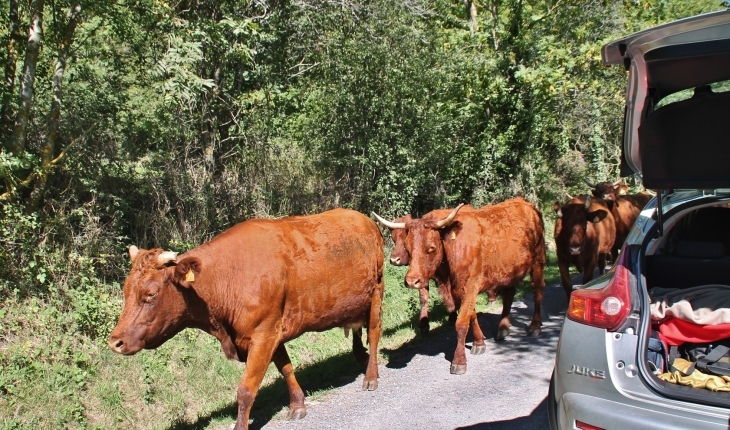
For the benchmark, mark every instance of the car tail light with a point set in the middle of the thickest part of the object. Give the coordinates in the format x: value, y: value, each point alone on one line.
x: 584, y: 426
x: 607, y: 307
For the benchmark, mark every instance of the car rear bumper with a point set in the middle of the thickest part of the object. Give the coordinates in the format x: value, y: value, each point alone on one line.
x: 614, y: 415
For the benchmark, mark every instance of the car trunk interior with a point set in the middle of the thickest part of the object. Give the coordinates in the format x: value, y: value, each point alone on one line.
x: 694, y: 251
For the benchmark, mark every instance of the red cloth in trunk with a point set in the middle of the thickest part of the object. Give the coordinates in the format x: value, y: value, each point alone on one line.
x: 675, y: 332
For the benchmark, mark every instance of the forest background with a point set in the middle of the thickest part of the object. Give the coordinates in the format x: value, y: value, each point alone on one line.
x: 161, y: 124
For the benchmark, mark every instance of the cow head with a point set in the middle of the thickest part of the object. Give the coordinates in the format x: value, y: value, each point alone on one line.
x: 426, y: 248
x: 608, y: 191
x: 400, y: 256
x: 572, y: 225
x: 156, y: 297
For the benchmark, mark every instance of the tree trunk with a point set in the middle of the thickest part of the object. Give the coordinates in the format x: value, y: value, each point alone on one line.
x: 54, y: 120
x: 26, y: 88
x: 49, y: 150
x: 16, y: 38
x: 471, y: 15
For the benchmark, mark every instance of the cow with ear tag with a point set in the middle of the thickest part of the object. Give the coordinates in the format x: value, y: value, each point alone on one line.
x: 402, y: 257
x: 584, y: 234
x: 258, y: 285
x: 493, y: 248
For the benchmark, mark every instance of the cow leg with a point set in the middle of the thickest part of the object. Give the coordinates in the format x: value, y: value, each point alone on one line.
x: 453, y: 315
x: 508, y: 295
x: 602, y: 263
x: 423, y: 317
x: 259, y: 357
x: 537, y: 281
x: 458, y: 364
x: 565, y: 278
x: 297, y: 410
x: 588, y: 268
x: 358, y: 350
x: 478, y: 346
x: 370, y: 382
x: 444, y: 286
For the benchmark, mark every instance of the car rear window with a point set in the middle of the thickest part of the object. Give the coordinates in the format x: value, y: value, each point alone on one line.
x: 717, y: 87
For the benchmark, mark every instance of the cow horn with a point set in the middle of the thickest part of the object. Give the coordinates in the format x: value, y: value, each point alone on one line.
x: 569, y: 196
x: 446, y: 221
x: 166, y: 257
x: 133, y: 251
x: 617, y: 184
x: 588, y: 183
x: 588, y: 202
x: 389, y: 224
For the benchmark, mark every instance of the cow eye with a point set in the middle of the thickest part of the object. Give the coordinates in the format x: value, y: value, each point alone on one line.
x: 150, y: 296
x: 431, y: 249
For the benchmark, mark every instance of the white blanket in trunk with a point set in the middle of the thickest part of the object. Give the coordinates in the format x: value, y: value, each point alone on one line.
x: 704, y: 305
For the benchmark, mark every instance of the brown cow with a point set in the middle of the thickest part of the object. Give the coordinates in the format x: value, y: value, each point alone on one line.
x: 492, y: 248
x: 258, y: 285
x: 624, y: 207
x: 584, y: 234
x: 401, y: 257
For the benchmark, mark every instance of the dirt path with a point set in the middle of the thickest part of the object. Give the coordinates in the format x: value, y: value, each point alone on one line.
x: 505, y: 388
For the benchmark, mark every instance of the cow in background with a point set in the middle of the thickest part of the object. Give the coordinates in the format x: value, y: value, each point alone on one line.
x: 492, y: 248
x: 401, y: 257
x: 258, y: 285
x: 624, y: 207
x: 584, y: 235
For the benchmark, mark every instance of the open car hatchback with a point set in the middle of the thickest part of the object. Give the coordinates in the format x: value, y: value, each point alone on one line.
x: 621, y: 336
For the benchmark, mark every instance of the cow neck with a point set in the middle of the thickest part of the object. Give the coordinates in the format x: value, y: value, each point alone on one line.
x: 213, y: 319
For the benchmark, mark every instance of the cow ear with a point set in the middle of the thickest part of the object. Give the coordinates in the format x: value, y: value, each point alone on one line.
x: 187, y: 271
x: 597, y: 216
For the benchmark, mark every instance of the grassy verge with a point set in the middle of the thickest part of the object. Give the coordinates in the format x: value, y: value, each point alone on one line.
x: 55, y: 373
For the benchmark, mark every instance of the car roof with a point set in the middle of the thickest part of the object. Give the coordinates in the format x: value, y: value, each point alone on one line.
x: 684, y: 54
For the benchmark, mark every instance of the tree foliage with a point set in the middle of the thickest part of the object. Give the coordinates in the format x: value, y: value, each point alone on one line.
x: 162, y: 124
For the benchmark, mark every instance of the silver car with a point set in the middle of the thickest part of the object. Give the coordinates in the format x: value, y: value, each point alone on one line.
x: 677, y: 138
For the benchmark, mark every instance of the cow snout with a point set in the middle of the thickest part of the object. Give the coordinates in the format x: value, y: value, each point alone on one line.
x: 116, y: 344
x: 395, y: 260
x: 413, y: 282
x: 575, y: 250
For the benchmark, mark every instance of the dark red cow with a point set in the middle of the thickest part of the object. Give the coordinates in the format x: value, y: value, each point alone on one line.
x: 584, y: 234
x: 624, y: 207
x: 492, y: 248
x: 258, y: 285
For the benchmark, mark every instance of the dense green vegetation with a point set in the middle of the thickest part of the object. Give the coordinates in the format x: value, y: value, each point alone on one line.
x: 158, y: 124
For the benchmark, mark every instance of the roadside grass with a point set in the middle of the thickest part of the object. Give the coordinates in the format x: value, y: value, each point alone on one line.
x: 53, y: 376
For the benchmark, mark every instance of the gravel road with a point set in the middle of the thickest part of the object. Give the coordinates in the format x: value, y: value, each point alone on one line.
x: 504, y: 388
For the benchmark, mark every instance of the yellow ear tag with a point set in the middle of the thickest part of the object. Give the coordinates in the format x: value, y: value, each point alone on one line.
x: 453, y: 235
x: 190, y: 276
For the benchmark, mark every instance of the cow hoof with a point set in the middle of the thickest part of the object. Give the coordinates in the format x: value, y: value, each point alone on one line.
x: 501, y: 334
x: 458, y: 369
x: 296, y: 414
x: 533, y: 332
x: 369, y: 385
x: 478, y: 349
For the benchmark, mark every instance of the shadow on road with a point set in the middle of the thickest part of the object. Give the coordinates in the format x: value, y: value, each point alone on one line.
x: 536, y: 420
x: 442, y: 340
